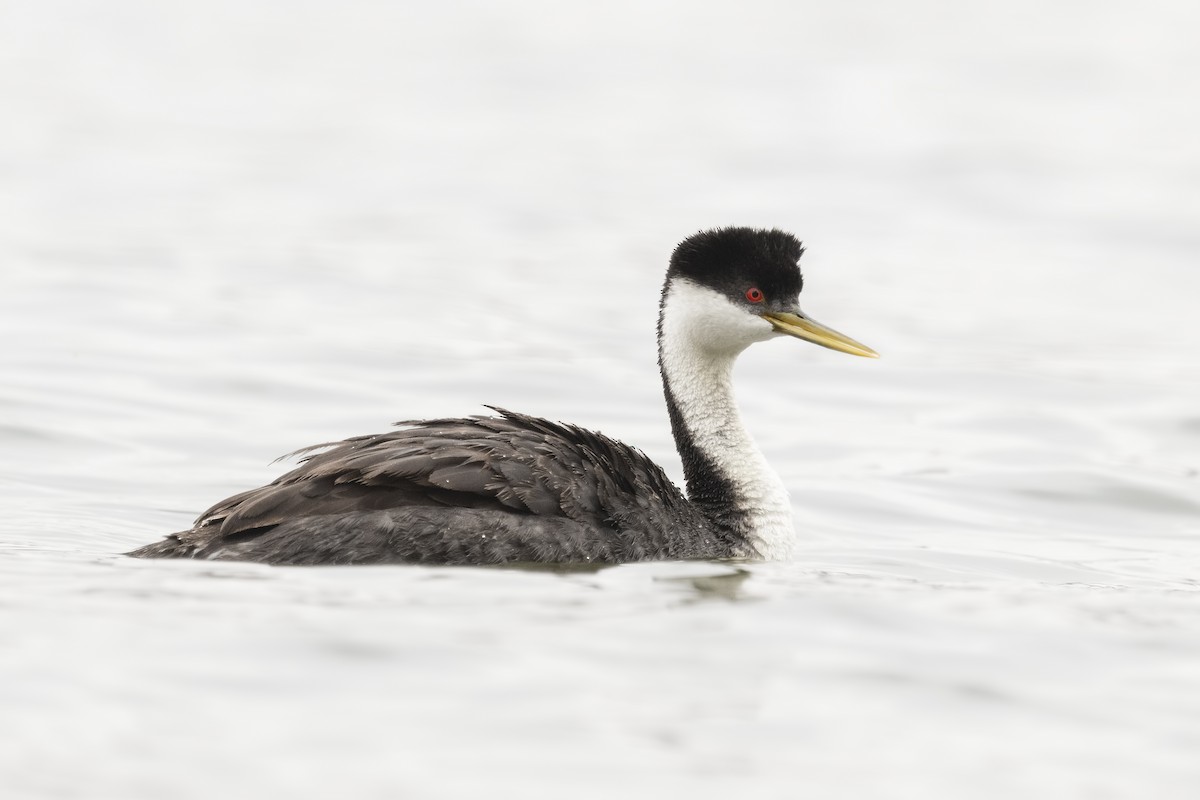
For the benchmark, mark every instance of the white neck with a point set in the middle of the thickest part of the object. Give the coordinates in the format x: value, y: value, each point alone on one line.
x: 701, y: 338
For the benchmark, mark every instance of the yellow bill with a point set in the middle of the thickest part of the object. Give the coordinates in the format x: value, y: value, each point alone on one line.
x: 812, y: 331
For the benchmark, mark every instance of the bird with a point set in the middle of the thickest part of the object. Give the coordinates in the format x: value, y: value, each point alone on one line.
x: 509, y: 489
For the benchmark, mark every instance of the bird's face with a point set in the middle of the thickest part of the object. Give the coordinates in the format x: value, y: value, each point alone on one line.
x: 786, y: 319
x: 730, y: 288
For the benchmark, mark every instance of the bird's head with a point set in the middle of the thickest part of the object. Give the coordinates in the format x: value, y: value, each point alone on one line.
x: 731, y: 287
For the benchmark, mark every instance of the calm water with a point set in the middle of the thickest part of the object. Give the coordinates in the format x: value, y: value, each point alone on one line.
x: 231, y: 231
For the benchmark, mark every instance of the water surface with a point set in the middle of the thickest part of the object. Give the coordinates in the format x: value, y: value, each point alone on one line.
x: 231, y: 234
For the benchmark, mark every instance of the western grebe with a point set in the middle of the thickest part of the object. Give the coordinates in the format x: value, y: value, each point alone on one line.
x: 513, y: 488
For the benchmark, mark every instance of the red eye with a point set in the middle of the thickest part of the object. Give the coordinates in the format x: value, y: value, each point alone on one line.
x: 755, y: 295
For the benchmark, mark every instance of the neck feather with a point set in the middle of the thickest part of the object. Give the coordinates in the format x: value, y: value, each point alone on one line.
x: 728, y: 479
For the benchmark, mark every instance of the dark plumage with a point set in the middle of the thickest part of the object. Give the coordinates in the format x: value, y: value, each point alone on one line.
x: 734, y: 257
x: 515, y: 488
x: 484, y: 490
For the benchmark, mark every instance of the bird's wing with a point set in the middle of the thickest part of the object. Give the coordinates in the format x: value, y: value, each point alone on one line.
x: 513, y: 463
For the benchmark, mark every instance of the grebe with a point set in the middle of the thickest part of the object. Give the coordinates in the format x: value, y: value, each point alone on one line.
x: 514, y: 488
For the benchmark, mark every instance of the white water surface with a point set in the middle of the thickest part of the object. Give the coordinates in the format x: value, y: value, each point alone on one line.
x: 231, y: 229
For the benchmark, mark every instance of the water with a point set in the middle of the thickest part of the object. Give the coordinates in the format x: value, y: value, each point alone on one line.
x: 230, y: 232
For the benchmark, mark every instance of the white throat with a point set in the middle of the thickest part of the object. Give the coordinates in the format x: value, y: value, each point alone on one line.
x: 702, y: 335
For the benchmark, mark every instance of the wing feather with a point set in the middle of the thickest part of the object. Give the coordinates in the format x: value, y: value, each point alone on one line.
x: 510, y: 463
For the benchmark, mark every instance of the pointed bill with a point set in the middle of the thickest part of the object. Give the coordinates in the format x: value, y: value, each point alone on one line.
x: 812, y: 331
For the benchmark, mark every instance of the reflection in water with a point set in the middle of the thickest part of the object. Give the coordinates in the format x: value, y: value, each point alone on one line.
x: 727, y: 586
